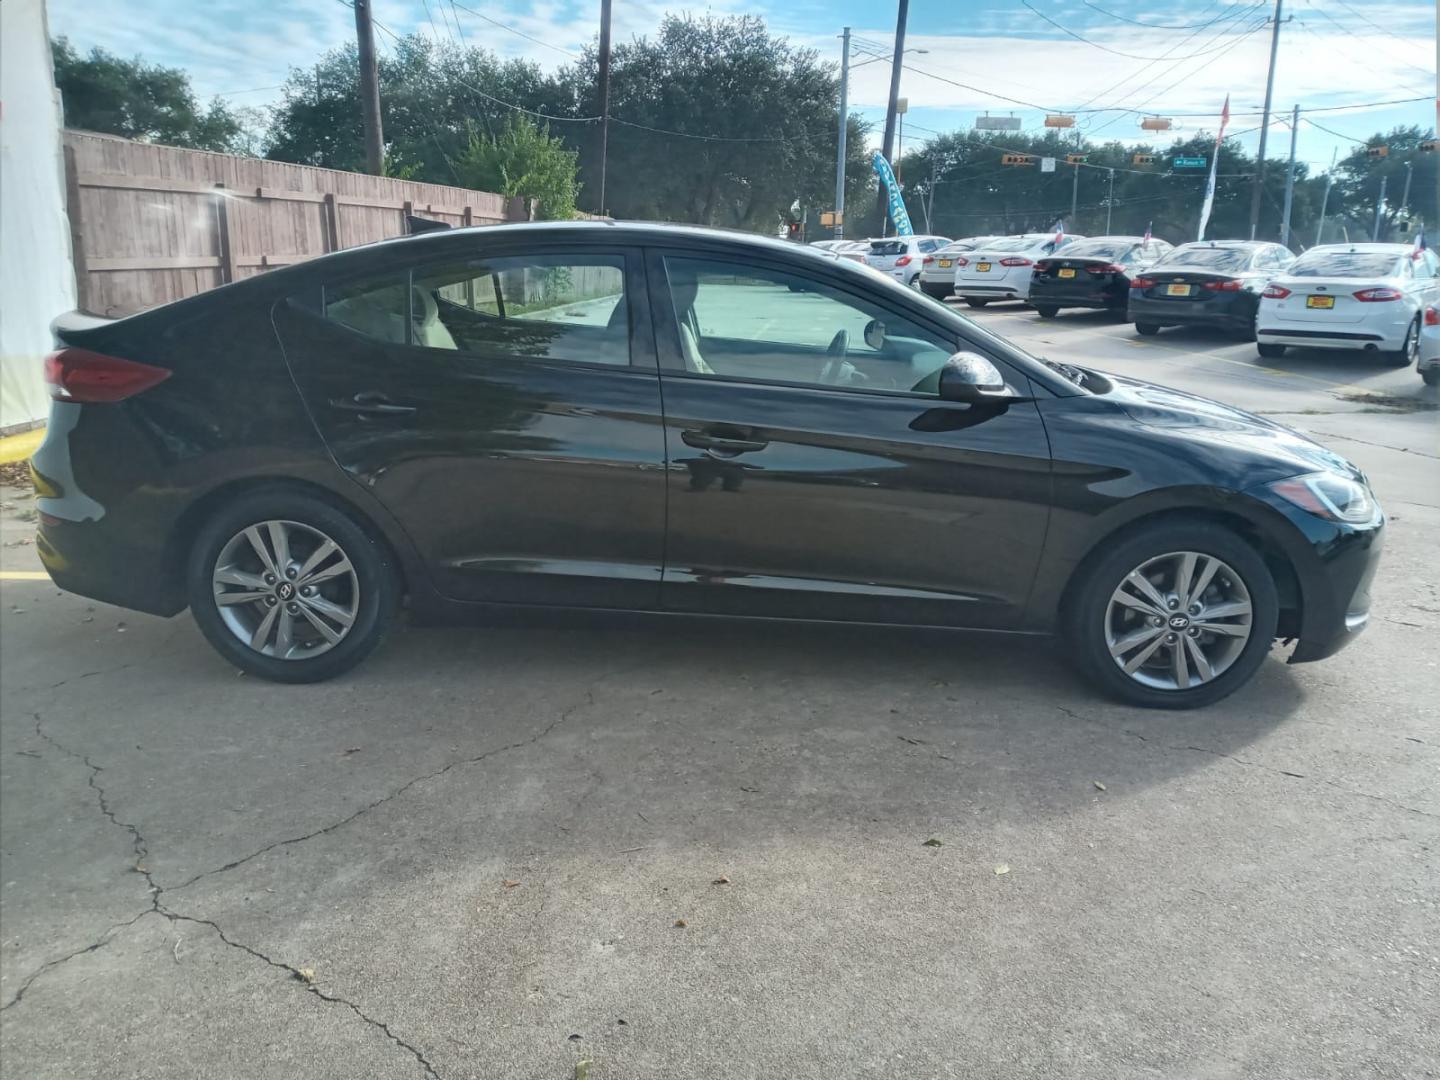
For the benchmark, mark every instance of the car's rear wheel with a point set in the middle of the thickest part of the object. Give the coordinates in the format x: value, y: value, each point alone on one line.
x: 1408, y: 354
x: 937, y: 292
x: 1269, y: 351
x: 1046, y: 311
x: 1174, y: 616
x: 976, y: 301
x: 1147, y: 329
x: 288, y: 587
x: 1431, y: 376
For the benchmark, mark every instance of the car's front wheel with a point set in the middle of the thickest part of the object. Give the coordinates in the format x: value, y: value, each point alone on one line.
x: 288, y: 587
x: 1174, y: 616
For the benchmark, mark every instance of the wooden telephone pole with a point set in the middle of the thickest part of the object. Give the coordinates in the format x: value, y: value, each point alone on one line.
x: 369, y: 90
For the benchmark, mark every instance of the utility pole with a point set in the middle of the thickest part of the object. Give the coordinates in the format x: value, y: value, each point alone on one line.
x: 1290, y: 178
x: 604, y: 96
x: 1325, y: 199
x: 1405, y: 198
x: 1258, y: 183
x: 1110, y: 202
x: 1075, y: 187
x: 369, y: 90
x: 1379, y: 211
x: 844, y: 125
x: 888, y: 146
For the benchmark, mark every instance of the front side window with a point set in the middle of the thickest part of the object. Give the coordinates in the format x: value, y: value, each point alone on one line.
x: 739, y: 321
x: 550, y: 307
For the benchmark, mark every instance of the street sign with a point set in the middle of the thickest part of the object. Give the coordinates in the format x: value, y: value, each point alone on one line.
x: 997, y: 123
x: 829, y: 218
x: 1189, y: 162
x: 1047, y: 164
x: 902, y: 105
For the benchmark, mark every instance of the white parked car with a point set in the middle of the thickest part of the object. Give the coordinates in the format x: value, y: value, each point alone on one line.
x: 1350, y: 296
x: 900, y: 257
x: 1430, y: 346
x: 1001, y: 269
x: 937, y: 271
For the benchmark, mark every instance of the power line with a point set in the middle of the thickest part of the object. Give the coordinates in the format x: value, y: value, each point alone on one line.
x: 1106, y: 48
x: 1366, y: 19
x: 505, y: 26
x: 1137, y: 22
x: 1348, y: 32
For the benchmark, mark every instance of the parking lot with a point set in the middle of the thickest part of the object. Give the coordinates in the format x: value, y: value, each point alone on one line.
x: 701, y: 851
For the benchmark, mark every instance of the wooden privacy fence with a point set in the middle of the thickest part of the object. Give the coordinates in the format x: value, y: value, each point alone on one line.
x: 150, y: 224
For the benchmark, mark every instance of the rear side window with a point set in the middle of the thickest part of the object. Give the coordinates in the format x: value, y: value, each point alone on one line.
x: 888, y: 247
x: 550, y: 307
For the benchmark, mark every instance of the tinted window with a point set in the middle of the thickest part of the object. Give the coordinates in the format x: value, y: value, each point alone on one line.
x: 1099, y: 249
x: 1208, y: 258
x: 1345, y: 264
x: 549, y: 307
x: 753, y: 323
x: 1424, y: 267
x: 888, y: 247
x: 1014, y: 243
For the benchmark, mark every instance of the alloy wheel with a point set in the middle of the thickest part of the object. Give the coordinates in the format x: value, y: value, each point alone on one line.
x: 1178, y: 620
x: 286, y: 590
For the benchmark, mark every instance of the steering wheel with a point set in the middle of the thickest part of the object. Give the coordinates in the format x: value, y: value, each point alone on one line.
x: 835, y: 365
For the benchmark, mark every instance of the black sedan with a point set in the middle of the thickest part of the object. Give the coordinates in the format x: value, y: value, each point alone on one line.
x: 1092, y: 273
x: 671, y: 420
x: 1213, y: 283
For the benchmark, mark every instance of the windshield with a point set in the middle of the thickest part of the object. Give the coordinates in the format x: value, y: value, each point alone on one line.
x: 1208, y: 258
x: 1099, y: 249
x: 888, y: 247
x: 1345, y: 264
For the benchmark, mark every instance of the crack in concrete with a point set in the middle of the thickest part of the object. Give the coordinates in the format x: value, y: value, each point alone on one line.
x: 1377, y: 445
x: 585, y: 702
x: 310, y: 987
x: 1251, y: 764
x: 94, y: 946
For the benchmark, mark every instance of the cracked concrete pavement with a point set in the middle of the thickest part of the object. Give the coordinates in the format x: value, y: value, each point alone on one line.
x: 470, y: 857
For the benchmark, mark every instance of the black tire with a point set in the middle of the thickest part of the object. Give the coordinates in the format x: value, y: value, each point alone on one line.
x: 976, y: 301
x: 1147, y: 329
x: 1088, y: 608
x: 937, y: 292
x: 1046, y: 311
x: 1408, y: 354
x: 1431, y: 376
x: 375, y: 578
x: 1270, y: 351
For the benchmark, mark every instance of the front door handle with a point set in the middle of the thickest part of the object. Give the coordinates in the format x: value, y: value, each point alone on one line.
x: 371, y: 403
x: 721, y: 445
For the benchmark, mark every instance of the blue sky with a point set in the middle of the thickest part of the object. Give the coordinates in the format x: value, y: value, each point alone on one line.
x: 1334, y: 53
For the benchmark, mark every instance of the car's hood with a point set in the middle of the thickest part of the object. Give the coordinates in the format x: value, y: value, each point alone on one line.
x: 1196, y: 418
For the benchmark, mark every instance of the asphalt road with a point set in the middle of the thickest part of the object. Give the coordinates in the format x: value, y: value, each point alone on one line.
x: 471, y: 858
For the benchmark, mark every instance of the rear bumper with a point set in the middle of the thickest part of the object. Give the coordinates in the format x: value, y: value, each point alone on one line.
x: 1043, y: 295
x: 1381, y: 330
x: 87, y: 559
x: 1326, y: 339
x: 1012, y: 291
x: 1234, y: 311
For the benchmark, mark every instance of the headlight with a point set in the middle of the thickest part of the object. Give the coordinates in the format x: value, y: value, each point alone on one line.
x: 1328, y: 495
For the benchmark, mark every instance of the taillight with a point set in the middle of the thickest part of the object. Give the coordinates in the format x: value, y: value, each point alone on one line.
x: 1142, y: 283
x: 1376, y: 296
x: 1043, y: 266
x: 927, y: 260
x: 962, y: 261
x: 1106, y: 268
x: 1275, y: 292
x: 1432, y: 316
x: 1233, y: 285
x: 903, y: 260
x: 1015, y: 260
x: 87, y: 377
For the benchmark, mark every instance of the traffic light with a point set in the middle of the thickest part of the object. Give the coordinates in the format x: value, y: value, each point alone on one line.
x: 1016, y: 159
x: 1429, y: 146
x: 1076, y: 159
x: 794, y: 230
x: 1378, y: 151
x: 1144, y: 159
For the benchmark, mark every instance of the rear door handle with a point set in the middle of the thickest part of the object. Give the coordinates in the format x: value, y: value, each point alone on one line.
x: 721, y: 445
x: 371, y: 403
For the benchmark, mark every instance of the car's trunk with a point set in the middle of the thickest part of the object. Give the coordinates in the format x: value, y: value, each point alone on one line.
x: 1316, y: 303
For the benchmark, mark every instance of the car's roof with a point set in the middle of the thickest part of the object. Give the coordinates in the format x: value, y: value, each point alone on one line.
x: 1226, y: 244
x: 1363, y: 249
x: 1118, y: 239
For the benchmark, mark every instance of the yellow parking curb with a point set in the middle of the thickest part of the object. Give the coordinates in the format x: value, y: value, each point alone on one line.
x: 24, y: 575
x: 19, y: 447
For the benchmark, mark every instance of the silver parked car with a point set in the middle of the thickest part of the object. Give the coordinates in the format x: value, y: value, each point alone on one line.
x: 900, y: 257
x: 937, y: 271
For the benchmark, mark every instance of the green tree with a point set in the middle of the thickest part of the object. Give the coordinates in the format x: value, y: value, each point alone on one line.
x: 523, y: 159
x: 714, y: 121
x: 102, y: 92
x: 1357, y: 186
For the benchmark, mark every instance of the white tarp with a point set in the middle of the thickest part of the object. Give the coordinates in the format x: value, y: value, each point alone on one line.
x: 37, y: 281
